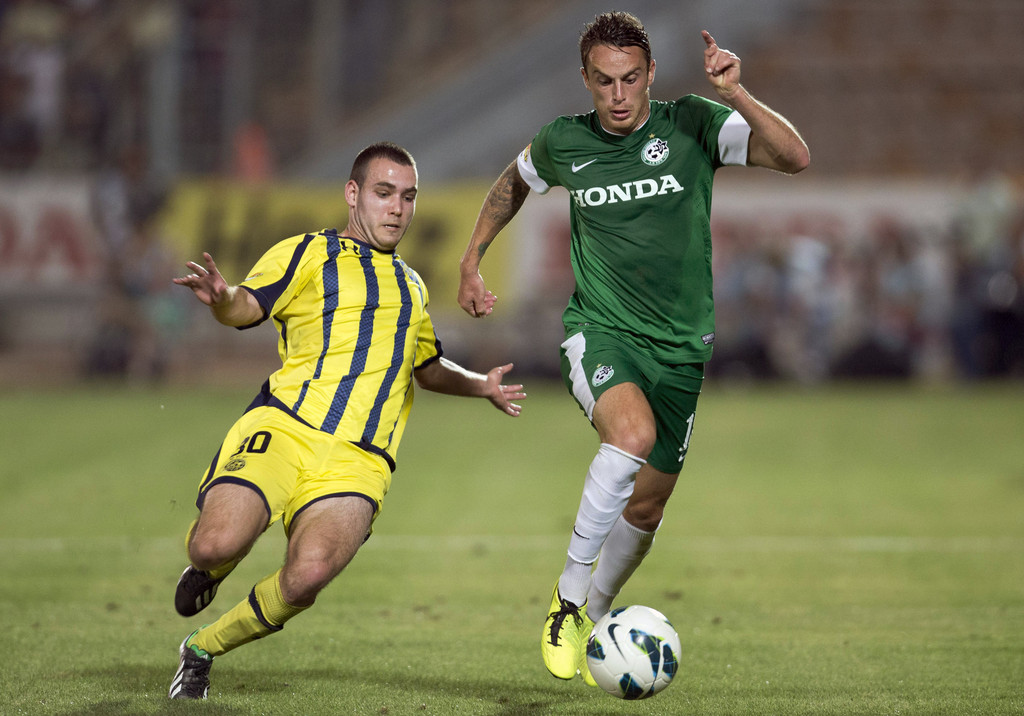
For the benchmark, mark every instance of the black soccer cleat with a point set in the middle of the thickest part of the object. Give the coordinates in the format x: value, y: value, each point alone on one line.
x: 192, y: 680
x: 195, y: 590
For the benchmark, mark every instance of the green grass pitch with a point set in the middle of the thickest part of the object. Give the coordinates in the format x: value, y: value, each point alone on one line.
x: 850, y: 550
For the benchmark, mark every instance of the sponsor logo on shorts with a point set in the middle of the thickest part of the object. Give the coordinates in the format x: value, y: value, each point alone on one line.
x: 601, y: 375
x: 235, y: 464
x: 708, y: 338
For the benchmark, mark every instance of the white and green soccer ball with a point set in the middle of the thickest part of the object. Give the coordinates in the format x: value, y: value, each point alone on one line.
x: 633, y: 652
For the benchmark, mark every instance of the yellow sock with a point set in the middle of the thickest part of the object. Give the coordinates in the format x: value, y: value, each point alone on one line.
x: 223, y: 571
x: 262, y: 613
x: 188, y: 533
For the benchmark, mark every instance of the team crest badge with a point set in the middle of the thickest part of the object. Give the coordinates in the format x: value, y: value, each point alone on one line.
x: 601, y: 375
x: 235, y: 464
x: 655, y: 152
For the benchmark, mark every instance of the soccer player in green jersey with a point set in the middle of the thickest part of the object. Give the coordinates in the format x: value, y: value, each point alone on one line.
x: 640, y: 324
x: 316, y: 447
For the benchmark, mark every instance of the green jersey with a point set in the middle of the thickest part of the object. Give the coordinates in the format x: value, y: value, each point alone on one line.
x: 641, y: 220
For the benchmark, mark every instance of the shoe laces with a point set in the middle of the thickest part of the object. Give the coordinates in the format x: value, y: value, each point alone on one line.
x: 565, y: 609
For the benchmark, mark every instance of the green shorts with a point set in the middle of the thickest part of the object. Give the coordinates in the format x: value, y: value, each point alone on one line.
x: 291, y: 465
x: 594, y: 360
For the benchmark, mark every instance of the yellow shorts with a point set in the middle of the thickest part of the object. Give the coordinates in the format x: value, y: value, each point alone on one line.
x: 291, y: 465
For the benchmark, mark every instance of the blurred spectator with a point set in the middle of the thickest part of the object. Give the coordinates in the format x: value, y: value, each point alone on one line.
x: 808, y: 303
x: 987, y: 321
x: 136, y: 311
x: 748, y: 285
x: 87, y: 118
x: 252, y: 159
x: 158, y: 310
x: 139, y: 315
x: 19, y: 136
x: 888, y: 292
x: 124, y: 194
x: 31, y: 43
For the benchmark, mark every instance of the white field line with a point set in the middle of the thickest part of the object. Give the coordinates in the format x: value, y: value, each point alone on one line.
x: 717, y: 544
x: 528, y: 543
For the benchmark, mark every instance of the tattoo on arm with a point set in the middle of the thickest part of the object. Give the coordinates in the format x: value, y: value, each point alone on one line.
x: 502, y: 203
x: 506, y: 196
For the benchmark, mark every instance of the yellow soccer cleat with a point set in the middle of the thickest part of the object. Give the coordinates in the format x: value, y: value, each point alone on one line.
x: 564, y: 638
x: 588, y: 627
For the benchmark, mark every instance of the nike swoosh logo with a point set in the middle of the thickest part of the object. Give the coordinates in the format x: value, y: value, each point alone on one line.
x: 576, y: 167
x: 611, y: 636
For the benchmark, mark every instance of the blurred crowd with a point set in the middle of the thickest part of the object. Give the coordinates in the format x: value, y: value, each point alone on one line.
x: 809, y: 303
x: 897, y: 300
x: 73, y: 103
x: 73, y: 80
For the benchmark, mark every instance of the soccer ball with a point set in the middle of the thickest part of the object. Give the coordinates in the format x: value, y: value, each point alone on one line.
x: 633, y: 652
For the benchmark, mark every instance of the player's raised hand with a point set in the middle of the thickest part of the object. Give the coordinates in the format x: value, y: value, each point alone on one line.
x: 722, y: 67
x: 503, y: 395
x: 207, y: 283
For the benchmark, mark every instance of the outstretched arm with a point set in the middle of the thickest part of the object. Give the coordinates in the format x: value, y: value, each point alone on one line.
x: 444, y: 376
x: 502, y: 203
x: 774, y: 142
x: 231, y: 305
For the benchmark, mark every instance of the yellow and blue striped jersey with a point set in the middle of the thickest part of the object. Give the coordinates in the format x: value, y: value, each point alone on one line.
x: 352, y: 324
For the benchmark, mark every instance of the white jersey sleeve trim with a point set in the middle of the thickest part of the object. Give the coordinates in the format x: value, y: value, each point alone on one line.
x: 733, y: 139
x: 529, y: 173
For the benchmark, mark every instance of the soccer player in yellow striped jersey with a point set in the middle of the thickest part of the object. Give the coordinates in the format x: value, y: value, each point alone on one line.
x: 317, y: 446
x: 351, y: 319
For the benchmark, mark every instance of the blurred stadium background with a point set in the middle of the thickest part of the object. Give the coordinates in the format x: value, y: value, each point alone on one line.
x: 136, y: 133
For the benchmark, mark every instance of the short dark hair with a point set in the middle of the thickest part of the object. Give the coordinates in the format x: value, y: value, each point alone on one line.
x: 619, y: 29
x: 379, y: 150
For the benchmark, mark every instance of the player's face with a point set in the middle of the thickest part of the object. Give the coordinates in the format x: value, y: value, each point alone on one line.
x: 620, y: 81
x: 381, y: 209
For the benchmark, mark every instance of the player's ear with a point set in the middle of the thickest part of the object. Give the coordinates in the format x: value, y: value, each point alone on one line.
x: 650, y: 73
x: 351, y: 192
x: 586, y: 80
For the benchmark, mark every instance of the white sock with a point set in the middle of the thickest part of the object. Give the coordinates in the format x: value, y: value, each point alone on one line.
x: 574, y: 582
x: 606, y: 489
x: 623, y: 551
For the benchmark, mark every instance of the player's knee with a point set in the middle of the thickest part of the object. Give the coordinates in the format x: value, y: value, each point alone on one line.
x: 640, y: 444
x: 301, y: 582
x: 636, y: 441
x: 209, y: 551
x: 645, y: 515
